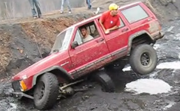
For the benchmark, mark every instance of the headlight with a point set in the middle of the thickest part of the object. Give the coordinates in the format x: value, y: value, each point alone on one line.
x: 16, y: 86
x: 19, y: 86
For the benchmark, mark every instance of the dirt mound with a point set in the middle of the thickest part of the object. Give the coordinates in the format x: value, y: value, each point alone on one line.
x: 165, y: 9
x: 24, y: 43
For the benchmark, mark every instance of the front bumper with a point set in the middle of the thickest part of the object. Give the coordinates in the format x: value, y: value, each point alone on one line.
x: 17, y: 93
x: 162, y: 33
x: 159, y: 35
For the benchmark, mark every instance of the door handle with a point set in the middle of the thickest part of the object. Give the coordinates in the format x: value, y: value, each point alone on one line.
x: 124, y: 30
x: 100, y: 40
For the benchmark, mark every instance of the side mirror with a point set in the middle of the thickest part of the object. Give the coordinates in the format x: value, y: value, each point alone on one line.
x: 74, y: 44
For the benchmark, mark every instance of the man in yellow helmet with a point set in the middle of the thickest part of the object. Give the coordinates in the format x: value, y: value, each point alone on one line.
x: 110, y: 20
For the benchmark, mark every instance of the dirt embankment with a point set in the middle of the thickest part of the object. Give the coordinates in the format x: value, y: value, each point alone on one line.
x: 166, y: 10
x: 25, y: 42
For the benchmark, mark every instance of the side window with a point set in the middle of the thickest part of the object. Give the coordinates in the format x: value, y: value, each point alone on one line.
x: 86, y: 33
x: 92, y: 29
x: 134, y: 14
x: 78, y: 37
x: 121, y: 23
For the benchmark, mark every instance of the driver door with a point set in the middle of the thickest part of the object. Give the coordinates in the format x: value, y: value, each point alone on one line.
x: 83, y: 56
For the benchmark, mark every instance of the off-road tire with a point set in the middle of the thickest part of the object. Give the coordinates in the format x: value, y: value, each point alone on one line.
x: 50, y: 95
x: 143, y: 54
x: 105, y: 81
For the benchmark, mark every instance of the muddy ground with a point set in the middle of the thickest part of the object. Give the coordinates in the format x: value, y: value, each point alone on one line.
x: 25, y: 41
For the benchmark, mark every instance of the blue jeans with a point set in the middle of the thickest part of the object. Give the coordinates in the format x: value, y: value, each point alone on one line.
x: 35, y: 4
x: 67, y: 3
x: 88, y: 2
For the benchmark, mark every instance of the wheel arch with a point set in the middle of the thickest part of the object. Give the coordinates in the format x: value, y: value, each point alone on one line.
x: 139, y: 38
x: 56, y: 70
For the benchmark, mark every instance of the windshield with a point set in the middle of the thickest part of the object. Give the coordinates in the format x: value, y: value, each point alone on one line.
x: 62, y: 40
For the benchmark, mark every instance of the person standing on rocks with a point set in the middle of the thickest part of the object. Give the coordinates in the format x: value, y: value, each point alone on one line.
x: 88, y: 2
x: 68, y: 5
x: 35, y: 7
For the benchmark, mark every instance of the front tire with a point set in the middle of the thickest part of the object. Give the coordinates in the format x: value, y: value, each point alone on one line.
x: 46, y: 91
x: 143, y: 59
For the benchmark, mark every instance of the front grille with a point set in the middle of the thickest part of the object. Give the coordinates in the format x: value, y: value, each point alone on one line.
x: 16, y: 86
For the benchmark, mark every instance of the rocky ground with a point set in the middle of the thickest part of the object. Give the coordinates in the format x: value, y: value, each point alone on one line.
x: 25, y: 41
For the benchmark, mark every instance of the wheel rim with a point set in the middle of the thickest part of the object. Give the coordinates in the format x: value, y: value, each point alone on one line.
x: 41, y: 90
x: 145, y: 59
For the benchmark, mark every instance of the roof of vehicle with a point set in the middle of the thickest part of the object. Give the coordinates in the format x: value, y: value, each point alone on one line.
x: 94, y: 17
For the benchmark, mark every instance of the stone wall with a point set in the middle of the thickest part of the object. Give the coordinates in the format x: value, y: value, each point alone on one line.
x: 10, y: 9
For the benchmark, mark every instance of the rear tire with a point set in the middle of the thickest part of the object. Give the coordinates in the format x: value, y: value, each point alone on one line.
x: 46, y: 91
x: 143, y: 59
x: 105, y: 81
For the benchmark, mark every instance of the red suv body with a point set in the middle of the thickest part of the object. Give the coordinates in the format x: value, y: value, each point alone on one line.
x: 71, y: 59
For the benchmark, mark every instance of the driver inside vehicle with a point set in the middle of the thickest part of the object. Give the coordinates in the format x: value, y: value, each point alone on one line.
x: 85, y: 34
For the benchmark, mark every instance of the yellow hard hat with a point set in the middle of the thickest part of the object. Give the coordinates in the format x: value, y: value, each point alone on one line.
x: 113, y: 6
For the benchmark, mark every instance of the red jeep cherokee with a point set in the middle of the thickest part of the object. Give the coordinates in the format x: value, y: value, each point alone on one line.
x: 71, y: 58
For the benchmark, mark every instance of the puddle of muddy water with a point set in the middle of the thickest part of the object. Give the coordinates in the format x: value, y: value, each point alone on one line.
x: 149, y: 86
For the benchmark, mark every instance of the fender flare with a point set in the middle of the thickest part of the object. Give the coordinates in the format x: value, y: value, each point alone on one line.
x: 137, y: 34
x: 65, y: 73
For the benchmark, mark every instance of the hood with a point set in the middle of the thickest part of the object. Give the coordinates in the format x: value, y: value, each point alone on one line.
x: 49, y: 61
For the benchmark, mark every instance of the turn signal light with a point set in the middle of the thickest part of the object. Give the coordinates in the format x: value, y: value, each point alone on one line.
x: 23, y: 86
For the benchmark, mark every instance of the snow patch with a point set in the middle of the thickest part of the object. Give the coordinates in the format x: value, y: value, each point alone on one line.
x: 150, y: 86
x: 177, y: 36
x: 156, y: 46
x: 153, y: 75
x: 179, y: 56
x: 169, y: 65
x: 169, y: 105
x: 127, y: 68
x: 170, y: 29
x: 13, y: 107
x: 165, y: 65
